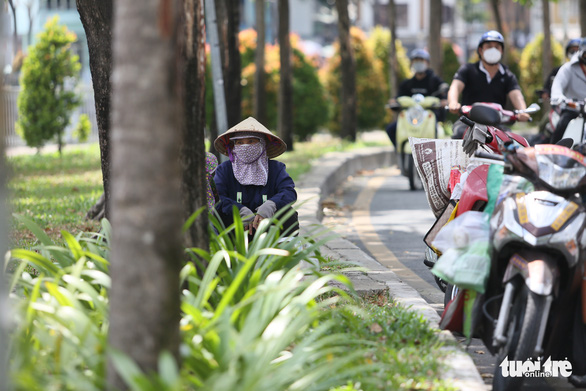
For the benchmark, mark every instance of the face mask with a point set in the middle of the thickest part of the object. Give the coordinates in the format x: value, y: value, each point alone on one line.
x: 248, y: 153
x: 419, y: 66
x: 492, y: 56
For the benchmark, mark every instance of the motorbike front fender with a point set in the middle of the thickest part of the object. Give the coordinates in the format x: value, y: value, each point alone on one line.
x: 539, y: 271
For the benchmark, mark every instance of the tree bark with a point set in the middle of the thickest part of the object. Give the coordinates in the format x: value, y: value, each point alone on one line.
x: 96, y: 18
x: 4, y: 315
x: 495, y: 6
x: 259, y: 75
x: 348, y: 99
x: 435, y: 35
x: 15, y: 33
x: 147, y: 123
x: 285, y: 127
x: 228, y: 15
x: 393, y: 66
x: 193, y: 147
x: 582, y: 18
x: 547, y: 57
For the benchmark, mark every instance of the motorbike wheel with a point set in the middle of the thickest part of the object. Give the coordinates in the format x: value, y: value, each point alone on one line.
x: 522, y: 331
x: 414, y: 180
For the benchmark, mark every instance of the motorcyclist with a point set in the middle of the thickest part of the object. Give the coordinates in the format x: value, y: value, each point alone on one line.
x: 485, y: 81
x: 572, y: 48
x: 424, y: 82
x: 569, y: 84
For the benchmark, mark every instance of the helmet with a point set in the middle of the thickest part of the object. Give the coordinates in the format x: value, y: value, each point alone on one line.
x: 419, y: 53
x: 572, y: 43
x: 582, y: 51
x: 492, y: 36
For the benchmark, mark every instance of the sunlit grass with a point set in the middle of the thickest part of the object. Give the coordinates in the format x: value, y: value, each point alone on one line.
x: 55, y: 191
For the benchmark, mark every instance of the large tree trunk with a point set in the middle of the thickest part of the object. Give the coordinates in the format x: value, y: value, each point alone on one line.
x: 348, y: 100
x: 285, y: 126
x: 546, y: 49
x: 193, y: 147
x: 147, y: 125
x: 393, y: 65
x: 259, y: 75
x: 582, y: 18
x: 435, y: 35
x: 96, y: 17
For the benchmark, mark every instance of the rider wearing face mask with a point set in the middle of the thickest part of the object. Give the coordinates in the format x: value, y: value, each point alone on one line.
x: 569, y: 83
x: 424, y: 82
x: 485, y: 81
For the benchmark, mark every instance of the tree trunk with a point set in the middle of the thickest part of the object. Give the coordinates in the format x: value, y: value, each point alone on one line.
x: 582, y: 18
x: 435, y: 35
x: 96, y: 17
x: 285, y: 127
x: 4, y: 315
x: 495, y: 6
x: 15, y: 33
x: 228, y: 15
x: 259, y: 75
x: 547, y: 57
x: 348, y: 100
x: 147, y: 123
x: 193, y: 147
x: 393, y: 65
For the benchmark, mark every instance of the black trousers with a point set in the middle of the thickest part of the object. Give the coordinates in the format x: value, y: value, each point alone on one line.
x: 565, y: 117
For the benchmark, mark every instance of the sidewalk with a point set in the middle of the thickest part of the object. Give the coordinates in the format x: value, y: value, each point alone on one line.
x: 326, y: 175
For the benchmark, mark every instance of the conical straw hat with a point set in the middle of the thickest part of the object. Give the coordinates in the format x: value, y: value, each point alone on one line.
x: 275, y: 146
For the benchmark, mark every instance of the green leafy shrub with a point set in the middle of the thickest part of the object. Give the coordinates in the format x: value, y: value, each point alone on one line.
x: 371, y: 93
x: 450, y: 62
x: 310, y: 109
x: 379, y: 42
x: 83, y: 128
x: 531, y: 65
x: 46, y: 101
x: 255, y: 321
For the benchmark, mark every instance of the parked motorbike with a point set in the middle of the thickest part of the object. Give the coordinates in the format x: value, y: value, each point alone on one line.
x: 474, y: 195
x: 532, y: 311
x: 416, y: 119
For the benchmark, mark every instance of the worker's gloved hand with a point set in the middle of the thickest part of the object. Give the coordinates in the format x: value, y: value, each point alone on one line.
x: 267, y: 209
x: 246, y: 215
x: 475, y: 136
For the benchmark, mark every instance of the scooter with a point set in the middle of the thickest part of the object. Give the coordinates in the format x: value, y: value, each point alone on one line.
x: 416, y: 119
x: 576, y: 128
x: 474, y: 194
x: 532, y: 303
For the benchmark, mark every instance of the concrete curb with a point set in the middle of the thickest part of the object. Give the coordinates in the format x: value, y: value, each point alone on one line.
x: 326, y: 175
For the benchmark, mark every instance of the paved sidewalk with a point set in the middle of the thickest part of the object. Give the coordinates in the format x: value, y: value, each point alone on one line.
x: 326, y: 175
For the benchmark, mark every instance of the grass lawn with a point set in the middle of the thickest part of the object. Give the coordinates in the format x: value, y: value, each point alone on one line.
x: 57, y: 191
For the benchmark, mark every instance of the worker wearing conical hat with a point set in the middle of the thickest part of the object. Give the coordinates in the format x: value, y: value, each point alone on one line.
x: 251, y: 180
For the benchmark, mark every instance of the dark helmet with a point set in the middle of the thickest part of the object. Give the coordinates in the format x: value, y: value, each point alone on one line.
x: 419, y: 53
x: 572, y: 43
x: 492, y: 36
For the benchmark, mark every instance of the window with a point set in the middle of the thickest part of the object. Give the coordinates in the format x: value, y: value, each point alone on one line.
x: 381, y: 16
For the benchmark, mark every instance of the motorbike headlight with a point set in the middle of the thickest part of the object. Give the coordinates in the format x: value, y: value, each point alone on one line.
x: 560, y: 177
x: 416, y: 115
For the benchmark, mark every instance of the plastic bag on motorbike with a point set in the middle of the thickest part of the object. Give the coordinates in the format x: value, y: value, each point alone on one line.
x: 465, y: 229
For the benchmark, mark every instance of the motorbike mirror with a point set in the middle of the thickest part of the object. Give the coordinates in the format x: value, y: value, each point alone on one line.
x: 484, y: 115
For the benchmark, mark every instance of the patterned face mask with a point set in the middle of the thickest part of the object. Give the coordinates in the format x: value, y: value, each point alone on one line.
x: 251, y: 164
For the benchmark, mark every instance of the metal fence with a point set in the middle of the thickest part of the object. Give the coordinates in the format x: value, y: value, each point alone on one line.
x: 8, y: 100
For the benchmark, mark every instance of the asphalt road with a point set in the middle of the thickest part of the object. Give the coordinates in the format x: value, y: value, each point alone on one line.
x: 377, y: 211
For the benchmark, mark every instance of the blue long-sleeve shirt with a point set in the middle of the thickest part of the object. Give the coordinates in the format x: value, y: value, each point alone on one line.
x: 280, y: 188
